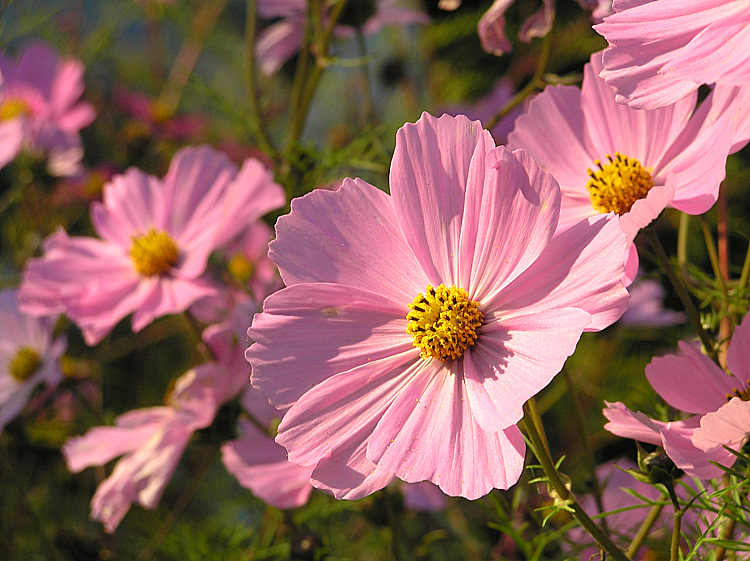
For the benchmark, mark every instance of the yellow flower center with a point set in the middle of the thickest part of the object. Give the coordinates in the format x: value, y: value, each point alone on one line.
x: 154, y: 254
x: 24, y: 364
x: 616, y: 185
x: 241, y: 268
x: 743, y: 394
x: 443, y: 322
x: 13, y: 107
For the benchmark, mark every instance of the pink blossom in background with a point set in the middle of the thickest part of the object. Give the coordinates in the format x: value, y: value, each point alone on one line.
x: 661, y: 51
x: 156, y: 236
x: 646, y: 306
x: 148, y: 114
x: 423, y: 497
x: 249, y: 262
x: 486, y: 108
x: 332, y: 347
x: 279, y: 41
x: 691, y: 382
x: 40, y: 108
x: 151, y: 442
x: 29, y: 356
x: 567, y: 131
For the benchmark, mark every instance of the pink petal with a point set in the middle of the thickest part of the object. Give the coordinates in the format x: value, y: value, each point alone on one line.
x: 351, y: 237
x: 690, y: 381
x: 431, y: 168
x: 277, y: 43
x: 309, y: 332
x: 428, y: 433
x: 728, y: 426
x: 738, y: 355
x: 491, y: 29
x: 539, y: 23
x: 678, y: 444
x: 423, y: 497
x: 11, y: 139
x: 170, y: 296
x: 627, y: 424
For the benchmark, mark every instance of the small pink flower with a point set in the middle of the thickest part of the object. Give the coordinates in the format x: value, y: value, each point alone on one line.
x: 693, y: 383
x: 466, y: 232
x: 279, y: 41
x: 151, y: 442
x: 149, y: 114
x: 28, y: 356
x: 659, y: 52
x: 646, y: 306
x: 606, y: 156
x: 156, y: 239
x: 40, y: 109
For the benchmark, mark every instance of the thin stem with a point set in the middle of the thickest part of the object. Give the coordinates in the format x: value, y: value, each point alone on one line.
x: 400, y: 552
x: 682, y: 293
x: 682, y: 239
x: 745, y: 275
x: 534, y: 84
x: 545, y: 460
x: 366, y: 82
x: 179, y: 74
x: 712, y: 256
x: 643, y: 531
x: 675, y: 548
x: 252, y: 87
x: 726, y: 534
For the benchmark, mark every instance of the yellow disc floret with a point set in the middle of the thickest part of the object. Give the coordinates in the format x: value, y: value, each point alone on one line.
x: 154, y: 253
x: 443, y: 322
x: 742, y: 393
x: 12, y: 108
x: 25, y: 362
x: 616, y: 185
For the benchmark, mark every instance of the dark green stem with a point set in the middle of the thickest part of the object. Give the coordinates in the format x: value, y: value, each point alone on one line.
x: 675, y: 548
x: 682, y: 293
x: 564, y: 494
x: 643, y: 531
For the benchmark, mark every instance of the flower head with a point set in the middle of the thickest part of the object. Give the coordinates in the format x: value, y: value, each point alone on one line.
x: 660, y: 52
x: 28, y: 356
x: 607, y: 158
x: 40, y: 109
x: 339, y: 347
x: 156, y: 236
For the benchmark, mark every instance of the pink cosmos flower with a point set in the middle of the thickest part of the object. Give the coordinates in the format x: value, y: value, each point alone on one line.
x: 151, y: 442
x: 646, y: 306
x: 659, y: 52
x: 409, y: 334
x: 150, y: 115
x: 156, y: 239
x: 28, y: 356
x: 40, y: 109
x: 278, y: 43
x: 606, y: 156
x: 693, y: 383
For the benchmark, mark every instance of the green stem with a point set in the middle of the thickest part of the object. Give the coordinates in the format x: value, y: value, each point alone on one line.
x: 367, y: 85
x: 682, y: 293
x: 252, y: 87
x: 537, y: 443
x: 643, y: 531
x: 675, y: 548
x: 682, y: 239
x: 398, y: 541
x: 713, y: 257
x: 534, y: 84
x: 745, y: 275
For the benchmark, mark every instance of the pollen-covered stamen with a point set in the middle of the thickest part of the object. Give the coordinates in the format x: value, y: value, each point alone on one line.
x: 24, y: 363
x: 13, y: 107
x: 742, y: 393
x: 443, y: 322
x: 154, y: 253
x: 616, y: 185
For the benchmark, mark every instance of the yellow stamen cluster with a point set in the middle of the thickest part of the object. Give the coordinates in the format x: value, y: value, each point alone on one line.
x: 12, y: 108
x: 25, y: 362
x: 443, y: 322
x: 154, y: 253
x: 743, y: 394
x: 616, y: 185
x: 241, y: 268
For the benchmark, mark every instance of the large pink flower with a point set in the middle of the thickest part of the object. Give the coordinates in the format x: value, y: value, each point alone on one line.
x: 28, y: 356
x: 40, y: 108
x: 156, y: 239
x: 151, y: 442
x: 466, y: 234
x: 661, y: 51
x: 278, y: 43
x: 693, y: 383
x: 606, y: 156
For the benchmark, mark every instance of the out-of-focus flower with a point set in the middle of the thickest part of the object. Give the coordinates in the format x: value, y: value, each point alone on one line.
x: 155, y: 120
x: 248, y: 262
x: 646, y: 306
x: 607, y: 158
x: 40, y: 109
x: 278, y: 43
x: 659, y: 52
x: 423, y: 497
x: 156, y: 239
x: 491, y: 27
x: 28, y: 356
x: 354, y: 341
x: 693, y: 383
x: 487, y: 107
x: 151, y: 442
